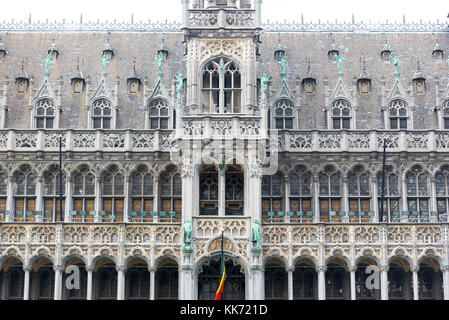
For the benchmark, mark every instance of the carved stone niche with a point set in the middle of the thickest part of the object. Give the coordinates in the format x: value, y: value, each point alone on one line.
x: 78, y: 85
x: 332, y: 53
x: 364, y: 85
x: 22, y: 84
x: 437, y: 53
x: 308, y: 85
x: 133, y: 85
x: 419, y: 84
x: 215, y: 245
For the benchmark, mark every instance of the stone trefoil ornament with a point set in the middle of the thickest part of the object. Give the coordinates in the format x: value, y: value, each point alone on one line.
x: 255, y: 237
x: 395, y: 60
x: 187, y: 235
x: 104, y: 61
x: 340, y: 59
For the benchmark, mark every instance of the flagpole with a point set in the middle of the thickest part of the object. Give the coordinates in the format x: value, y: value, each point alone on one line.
x: 61, y: 218
x: 383, y: 182
x: 223, y: 272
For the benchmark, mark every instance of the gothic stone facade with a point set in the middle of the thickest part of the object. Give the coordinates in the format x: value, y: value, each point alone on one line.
x: 143, y: 152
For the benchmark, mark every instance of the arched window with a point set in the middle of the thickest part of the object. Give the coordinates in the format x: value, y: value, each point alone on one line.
x: 275, y: 282
x: 3, y: 192
x: 51, y: 192
x: 142, y: 189
x: 446, y: 114
x: 430, y: 284
x: 209, y: 191
x: 45, y: 114
x: 159, y: 114
x: 300, y: 181
x: 106, y: 282
x: 167, y: 282
x: 113, y: 192
x: 417, y: 190
x: 171, y: 191
x: 392, y: 195
x: 398, y: 114
x: 24, y: 191
x: 337, y: 279
x: 75, y: 294
x: 442, y: 189
x: 102, y: 114
x: 138, y: 282
x: 45, y: 282
x: 330, y: 192
x: 234, y: 191
x: 221, y: 88
x: 359, y: 190
x: 341, y: 114
x: 362, y: 278
x: 399, y: 281
x: 272, y: 193
x: 283, y: 114
x: 305, y: 280
x: 84, y: 189
x: 15, y: 278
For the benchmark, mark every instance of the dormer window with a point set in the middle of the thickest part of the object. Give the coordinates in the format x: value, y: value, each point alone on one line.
x: 102, y: 114
x: 45, y: 114
x: 283, y: 114
x: 398, y: 114
x: 341, y: 114
x: 222, y: 87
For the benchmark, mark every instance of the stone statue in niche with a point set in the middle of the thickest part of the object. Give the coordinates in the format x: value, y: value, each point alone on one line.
x: 21, y: 86
x: 133, y: 86
x: 78, y: 86
x: 187, y: 234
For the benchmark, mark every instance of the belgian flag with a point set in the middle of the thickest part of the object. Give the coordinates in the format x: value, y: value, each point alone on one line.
x: 223, y: 271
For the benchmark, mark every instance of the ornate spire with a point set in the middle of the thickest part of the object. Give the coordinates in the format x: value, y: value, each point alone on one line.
x: 418, y: 75
x: 363, y: 74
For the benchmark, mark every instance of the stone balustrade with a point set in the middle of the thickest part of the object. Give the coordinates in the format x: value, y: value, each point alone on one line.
x: 221, y: 18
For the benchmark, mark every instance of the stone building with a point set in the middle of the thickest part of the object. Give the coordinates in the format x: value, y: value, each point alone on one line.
x: 229, y: 124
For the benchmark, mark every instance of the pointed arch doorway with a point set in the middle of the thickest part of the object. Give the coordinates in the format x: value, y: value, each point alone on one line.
x: 209, y: 276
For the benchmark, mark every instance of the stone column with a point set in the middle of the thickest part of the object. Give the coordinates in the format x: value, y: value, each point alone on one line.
x: 286, y: 198
x: 352, y: 270
x: 120, y: 282
x: 156, y: 196
x: 98, y: 206
x: 433, y: 195
x: 404, y: 194
x: 89, y: 282
x: 221, y: 191
x: 316, y: 199
x: 321, y: 283
x: 187, y: 189
x: 290, y: 282
x: 384, y: 282
x: 374, y: 200
x: 39, y: 193
x: 26, y: 282
x: 58, y: 282
x: 68, y: 198
x: 345, y: 204
x: 255, y: 190
x: 152, y: 271
x: 186, y: 284
x: 415, y: 270
x: 445, y: 270
x: 256, y: 276
x: 127, y: 198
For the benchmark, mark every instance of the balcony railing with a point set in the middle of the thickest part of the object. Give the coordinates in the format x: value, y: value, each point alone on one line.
x: 221, y: 18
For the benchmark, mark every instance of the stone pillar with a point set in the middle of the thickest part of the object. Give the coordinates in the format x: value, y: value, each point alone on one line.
x: 186, y: 284
x: 89, y: 282
x: 68, y: 198
x: 345, y: 204
x: 120, y: 282
x: 316, y: 199
x: 257, y: 291
x: 415, y: 270
x: 187, y: 189
x: 433, y: 193
x: 352, y: 270
x: 58, y: 282
x: 26, y: 282
x: 445, y: 270
x: 384, y: 282
x: 98, y: 206
x: 404, y: 194
x: 286, y: 198
x: 39, y: 193
x: 10, y: 195
x: 290, y: 282
x: 156, y: 195
x: 127, y: 198
x: 152, y: 271
x: 221, y: 191
x: 374, y: 199
x: 255, y: 190
x: 321, y: 282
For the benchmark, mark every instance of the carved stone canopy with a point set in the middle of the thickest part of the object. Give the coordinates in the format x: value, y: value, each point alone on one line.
x: 215, y: 245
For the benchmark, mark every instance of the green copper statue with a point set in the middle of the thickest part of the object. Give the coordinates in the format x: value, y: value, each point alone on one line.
x: 264, y: 83
x: 179, y: 85
x: 47, y: 63
x: 284, y: 65
x: 159, y: 65
x: 255, y: 227
x: 222, y: 67
x: 395, y: 60
x: 187, y: 234
x: 340, y: 59
x: 104, y: 60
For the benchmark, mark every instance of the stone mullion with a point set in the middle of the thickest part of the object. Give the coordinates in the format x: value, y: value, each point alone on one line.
x: 26, y: 283
x: 89, y: 270
x: 374, y: 198
x: 127, y: 198
x: 404, y: 192
x: 316, y: 200
x: 221, y: 191
x: 415, y: 270
x: 10, y: 195
x: 98, y: 204
x: 433, y: 195
x: 58, y: 282
x: 39, y: 194
x: 152, y: 270
x: 68, y: 198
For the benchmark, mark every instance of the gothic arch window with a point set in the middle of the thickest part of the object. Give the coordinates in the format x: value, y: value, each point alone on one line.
x: 167, y: 282
x: 417, y: 190
x: 159, y: 114
x: 45, y: 282
x: 113, y: 192
x: 399, y: 281
x: 84, y: 189
x: 102, y: 114
x: 51, y: 192
x: 142, y: 189
x: 398, y: 113
x: 14, y: 282
x: 442, y: 189
x: 171, y: 191
x: 76, y: 294
x: 275, y: 282
x: 446, y: 114
x: 234, y: 195
x: 209, y: 191
x: 361, y: 280
x: 300, y: 182
x: 24, y: 191
x: 221, y: 87
x: 305, y: 282
x: 45, y: 114
x: 341, y: 114
x: 272, y: 193
x: 337, y: 279
x: 392, y: 195
x: 283, y: 112
x: 330, y: 191
x: 106, y: 282
x: 359, y: 190
x: 430, y: 284
x: 138, y: 282
x: 3, y: 192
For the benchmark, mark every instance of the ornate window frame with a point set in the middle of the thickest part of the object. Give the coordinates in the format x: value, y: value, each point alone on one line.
x: 45, y: 112
x: 281, y: 118
x: 344, y: 119
x: 401, y: 117
x: 157, y: 118
x: 99, y: 118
